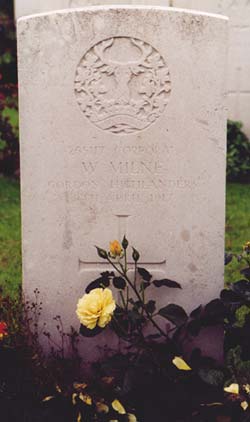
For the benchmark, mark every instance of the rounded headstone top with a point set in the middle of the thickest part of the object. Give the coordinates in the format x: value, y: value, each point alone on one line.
x: 115, y: 7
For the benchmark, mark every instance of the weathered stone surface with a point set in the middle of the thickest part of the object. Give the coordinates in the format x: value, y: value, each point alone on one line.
x: 238, y: 58
x: 238, y: 68
x: 28, y: 7
x: 122, y: 124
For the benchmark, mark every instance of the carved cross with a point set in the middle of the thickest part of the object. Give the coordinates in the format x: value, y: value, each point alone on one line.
x: 88, y: 266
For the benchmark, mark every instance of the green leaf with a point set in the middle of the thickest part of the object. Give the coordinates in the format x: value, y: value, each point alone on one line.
x: 228, y: 258
x: 144, y: 274
x: 135, y: 255
x: 246, y: 272
x: 174, y: 313
x: 213, y: 377
x: 3, y: 145
x: 119, y: 283
x: 153, y: 336
x: 215, y: 309
x: 144, y: 285
x: 242, y: 288
x: 150, y: 306
x: 124, y: 242
x: 196, y: 313
x: 102, y: 253
x: 167, y: 283
x: 241, y: 314
x: 135, y: 316
x: 137, y: 304
x: 102, y: 281
x: 194, y: 327
x: 86, y: 332
x: 228, y: 296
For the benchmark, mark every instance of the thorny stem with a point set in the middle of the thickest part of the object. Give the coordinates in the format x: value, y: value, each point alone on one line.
x: 135, y: 274
x: 125, y: 304
x: 143, y: 297
x: 123, y: 273
x: 127, y: 297
x: 125, y: 261
x: 123, y: 300
x: 120, y: 327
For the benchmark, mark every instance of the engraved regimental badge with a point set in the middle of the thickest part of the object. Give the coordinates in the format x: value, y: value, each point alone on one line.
x: 122, y: 85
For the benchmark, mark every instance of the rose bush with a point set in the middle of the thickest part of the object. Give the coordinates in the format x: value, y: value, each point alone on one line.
x: 133, y: 311
x: 152, y: 380
x: 96, y: 308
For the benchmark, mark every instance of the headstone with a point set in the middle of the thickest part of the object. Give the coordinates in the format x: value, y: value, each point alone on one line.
x: 123, y: 124
x: 239, y: 35
x: 238, y: 55
x: 28, y: 7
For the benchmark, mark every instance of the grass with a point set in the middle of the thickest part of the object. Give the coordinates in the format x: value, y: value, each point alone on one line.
x: 237, y: 225
x: 12, y: 113
x: 10, y: 235
x: 237, y: 231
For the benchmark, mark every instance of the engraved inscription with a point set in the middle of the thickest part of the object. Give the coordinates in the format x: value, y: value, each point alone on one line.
x: 120, y: 189
x: 122, y: 85
x: 124, y: 173
x: 137, y: 167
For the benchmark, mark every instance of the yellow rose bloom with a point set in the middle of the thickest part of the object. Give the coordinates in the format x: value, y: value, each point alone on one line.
x: 96, y: 308
x: 115, y: 248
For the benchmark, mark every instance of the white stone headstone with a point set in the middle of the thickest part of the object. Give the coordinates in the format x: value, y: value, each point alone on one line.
x: 123, y: 130
x: 239, y: 35
x: 238, y: 55
x: 28, y: 7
